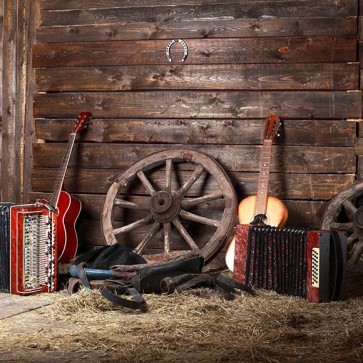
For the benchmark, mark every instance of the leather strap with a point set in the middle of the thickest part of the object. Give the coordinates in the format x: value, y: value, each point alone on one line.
x: 223, y: 284
x: 82, y: 275
x: 229, y: 284
x: 136, y: 301
x: 73, y: 285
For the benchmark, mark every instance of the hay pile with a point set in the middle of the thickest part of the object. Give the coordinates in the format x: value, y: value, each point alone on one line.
x: 194, y: 326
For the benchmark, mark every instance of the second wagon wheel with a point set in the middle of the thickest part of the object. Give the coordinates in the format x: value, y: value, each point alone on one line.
x: 345, y: 213
x: 170, y: 201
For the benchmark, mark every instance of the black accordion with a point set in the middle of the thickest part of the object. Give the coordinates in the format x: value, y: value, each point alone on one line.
x: 28, y: 256
x: 293, y: 261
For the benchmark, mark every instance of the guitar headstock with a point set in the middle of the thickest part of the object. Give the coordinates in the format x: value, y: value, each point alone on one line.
x: 272, y: 127
x: 82, y: 121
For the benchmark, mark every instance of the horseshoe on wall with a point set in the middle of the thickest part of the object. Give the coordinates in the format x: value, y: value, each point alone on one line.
x: 185, y: 49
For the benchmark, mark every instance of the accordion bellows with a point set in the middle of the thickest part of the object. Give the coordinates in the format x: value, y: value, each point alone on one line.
x: 28, y: 262
x: 292, y: 261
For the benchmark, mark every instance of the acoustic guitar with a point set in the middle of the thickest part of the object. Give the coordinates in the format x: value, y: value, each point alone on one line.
x: 261, y: 208
x: 66, y: 206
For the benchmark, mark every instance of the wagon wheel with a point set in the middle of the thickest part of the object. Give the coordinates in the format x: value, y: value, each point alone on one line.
x: 172, y: 200
x: 345, y: 213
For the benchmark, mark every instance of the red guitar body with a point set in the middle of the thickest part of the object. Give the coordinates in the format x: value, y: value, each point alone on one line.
x: 68, y: 210
x: 67, y: 207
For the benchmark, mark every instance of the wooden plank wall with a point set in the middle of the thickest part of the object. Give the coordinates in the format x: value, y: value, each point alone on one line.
x: 17, y: 118
x: 1, y: 79
x: 359, y: 141
x: 246, y: 60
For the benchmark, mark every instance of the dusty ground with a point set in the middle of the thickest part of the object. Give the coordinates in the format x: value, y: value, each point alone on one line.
x: 190, y: 327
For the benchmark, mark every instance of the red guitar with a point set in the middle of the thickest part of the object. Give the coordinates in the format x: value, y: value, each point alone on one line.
x: 67, y: 207
x: 261, y: 208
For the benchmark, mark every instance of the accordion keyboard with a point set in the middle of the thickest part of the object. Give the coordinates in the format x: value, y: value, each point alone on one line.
x: 33, y: 250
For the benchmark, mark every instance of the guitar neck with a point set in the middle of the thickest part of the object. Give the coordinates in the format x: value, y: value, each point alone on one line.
x: 263, y: 180
x: 62, y: 171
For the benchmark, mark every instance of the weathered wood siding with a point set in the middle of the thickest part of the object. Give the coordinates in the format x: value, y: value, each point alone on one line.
x: 359, y: 141
x: 246, y: 60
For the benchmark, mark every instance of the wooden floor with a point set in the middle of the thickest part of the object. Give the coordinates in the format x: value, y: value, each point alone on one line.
x: 13, y: 304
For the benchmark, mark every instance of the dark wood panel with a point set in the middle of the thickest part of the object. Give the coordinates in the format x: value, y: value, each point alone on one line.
x: 188, y: 104
x: 201, y: 51
x: 219, y: 77
x: 234, y: 10
x: 294, y: 159
x: 301, y: 213
x: 341, y: 7
x: 230, y: 28
x: 284, y: 186
x: 183, y: 131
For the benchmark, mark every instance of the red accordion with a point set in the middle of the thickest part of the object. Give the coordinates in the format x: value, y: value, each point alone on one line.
x: 293, y: 261
x: 33, y: 257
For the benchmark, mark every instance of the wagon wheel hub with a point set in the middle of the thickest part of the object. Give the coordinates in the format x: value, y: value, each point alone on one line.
x: 164, y: 206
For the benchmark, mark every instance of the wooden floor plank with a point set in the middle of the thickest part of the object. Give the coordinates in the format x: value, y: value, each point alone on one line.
x: 13, y: 304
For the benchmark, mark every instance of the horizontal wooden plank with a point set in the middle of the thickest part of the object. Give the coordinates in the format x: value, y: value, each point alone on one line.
x: 200, y: 51
x: 206, y: 104
x: 14, y: 305
x: 178, y: 12
x: 99, y: 4
x: 288, y: 159
x: 284, y: 186
x: 339, y: 76
x: 217, y: 28
x: 182, y: 131
x: 302, y: 213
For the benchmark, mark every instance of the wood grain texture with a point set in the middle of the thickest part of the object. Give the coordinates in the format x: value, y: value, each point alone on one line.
x: 217, y: 28
x: 246, y: 60
x: 201, y: 51
x: 301, y: 213
x: 199, y: 131
x: 189, y: 104
x: 294, y: 159
x: 339, y: 76
x: 85, y: 13
x: 283, y: 186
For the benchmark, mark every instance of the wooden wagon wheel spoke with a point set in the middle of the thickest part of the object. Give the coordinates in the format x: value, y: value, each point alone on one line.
x: 348, y: 226
x: 167, y: 232
x: 169, y: 173
x: 131, y: 205
x: 146, y: 183
x: 185, y: 234
x: 351, y: 239
x: 191, y: 202
x: 349, y: 207
x: 142, y: 222
x: 189, y: 183
x: 162, y: 228
x: 153, y: 230
x: 199, y: 219
x: 357, y: 251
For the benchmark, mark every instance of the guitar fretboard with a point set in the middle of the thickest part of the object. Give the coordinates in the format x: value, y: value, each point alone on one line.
x: 263, y: 180
x: 62, y: 171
